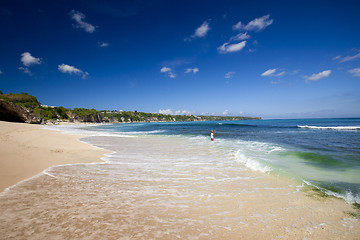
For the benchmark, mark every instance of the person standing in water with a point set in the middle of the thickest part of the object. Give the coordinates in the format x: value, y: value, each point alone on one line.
x: 212, y: 135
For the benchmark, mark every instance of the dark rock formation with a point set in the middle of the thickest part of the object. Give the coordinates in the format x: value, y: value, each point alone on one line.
x: 88, y: 118
x: 14, y: 113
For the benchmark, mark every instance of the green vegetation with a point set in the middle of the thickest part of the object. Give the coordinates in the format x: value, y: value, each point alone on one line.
x: 54, y: 113
x: 21, y: 99
x: 92, y: 115
x: 82, y: 112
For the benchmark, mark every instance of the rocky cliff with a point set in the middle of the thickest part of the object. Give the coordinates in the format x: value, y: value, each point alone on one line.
x: 14, y: 113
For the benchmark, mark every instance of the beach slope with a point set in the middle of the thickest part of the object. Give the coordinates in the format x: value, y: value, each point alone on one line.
x: 27, y: 150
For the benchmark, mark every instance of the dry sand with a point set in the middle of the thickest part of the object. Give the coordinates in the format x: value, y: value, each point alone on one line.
x: 26, y: 150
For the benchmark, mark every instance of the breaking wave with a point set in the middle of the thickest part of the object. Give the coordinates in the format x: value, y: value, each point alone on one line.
x: 331, y: 128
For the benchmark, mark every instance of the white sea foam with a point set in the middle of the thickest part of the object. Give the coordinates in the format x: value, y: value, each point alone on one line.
x: 84, y: 130
x: 348, y: 196
x: 330, y: 128
x: 250, y: 163
x: 143, y: 132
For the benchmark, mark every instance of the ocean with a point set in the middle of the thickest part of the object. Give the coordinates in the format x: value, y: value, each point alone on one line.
x: 324, y: 153
x: 168, y: 180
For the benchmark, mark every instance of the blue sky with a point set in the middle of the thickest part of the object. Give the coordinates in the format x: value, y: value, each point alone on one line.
x: 273, y: 59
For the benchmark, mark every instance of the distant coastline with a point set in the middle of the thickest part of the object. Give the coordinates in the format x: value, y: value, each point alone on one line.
x: 26, y: 108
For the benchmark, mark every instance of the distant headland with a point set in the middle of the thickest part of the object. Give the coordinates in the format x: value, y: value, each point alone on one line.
x: 22, y: 107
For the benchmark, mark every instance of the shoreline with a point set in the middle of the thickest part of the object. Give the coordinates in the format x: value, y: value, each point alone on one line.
x: 27, y: 150
x: 72, y: 201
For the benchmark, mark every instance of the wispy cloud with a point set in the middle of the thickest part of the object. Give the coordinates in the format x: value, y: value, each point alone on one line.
x: 103, y: 44
x: 168, y: 71
x: 64, y: 68
x: 193, y: 70
x: 1, y: 72
x: 200, y: 32
x: 79, y: 17
x: 273, y: 73
x: 350, y: 58
x: 317, y: 76
x: 355, y: 72
x: 229, y: 75
x: 256, y: 25
x: 29, y: 60
x: 229, y: 48
x: 240, y: 37
x: 26, y: 70
x: 268, y: 72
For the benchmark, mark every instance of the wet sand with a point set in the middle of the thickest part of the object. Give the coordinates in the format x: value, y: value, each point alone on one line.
x: 26, y: 150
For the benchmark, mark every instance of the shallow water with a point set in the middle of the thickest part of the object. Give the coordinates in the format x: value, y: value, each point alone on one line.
x: 324, y: 153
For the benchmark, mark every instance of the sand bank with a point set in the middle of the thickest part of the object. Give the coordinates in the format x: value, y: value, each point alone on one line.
x: 26, y: 150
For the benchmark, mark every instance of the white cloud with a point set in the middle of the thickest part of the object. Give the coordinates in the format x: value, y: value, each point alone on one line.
x: 202, y: 30
x: 183, y: 112
x: 229, y: 74
x: 165, y: 69
x: 355, y: 72
x: 256, y: 25
x: 318, y: 76
x: 336, y: 58
x: 268, y: 72
x: 79, y: 17
x: 170, y: 112
x: 272, y: 73
x: 166, y: 111
x: 234, y: 47
x: 169, y: 71
x: 193, y: 70
x: 228, y: 48
x: 225, y: 112
x: 240, y: 37
x: 104, y: 44
x: 26, y: 70
x: 29, y: 60
x: 64, y: 68
x: 350, y: 58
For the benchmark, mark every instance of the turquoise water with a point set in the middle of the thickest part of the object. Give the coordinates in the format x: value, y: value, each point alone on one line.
x: 324, y: 153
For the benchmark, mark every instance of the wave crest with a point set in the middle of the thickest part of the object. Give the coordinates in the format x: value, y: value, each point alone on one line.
x: 330, y: 128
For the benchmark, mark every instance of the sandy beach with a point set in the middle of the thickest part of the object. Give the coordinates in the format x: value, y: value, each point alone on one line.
x: 151, y: 189
x: 26, y: 150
